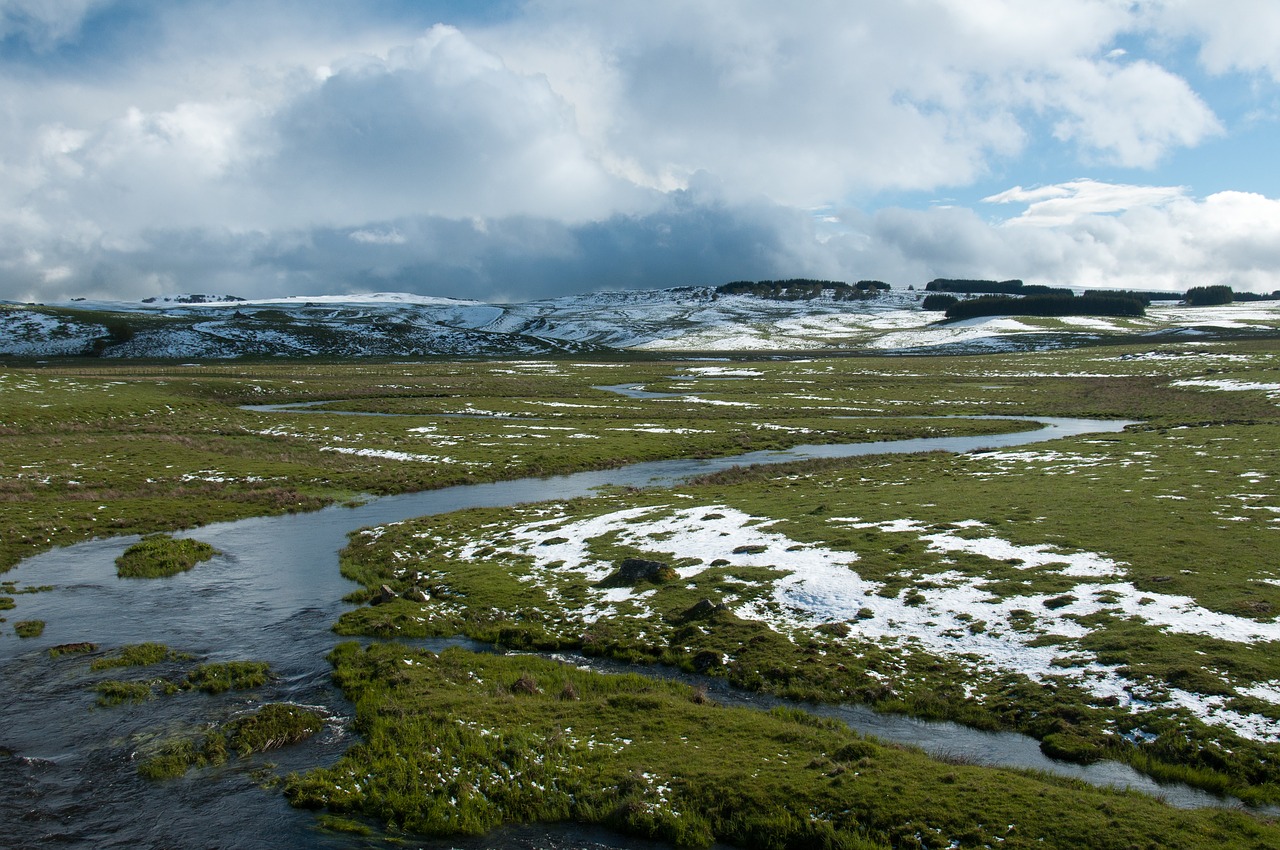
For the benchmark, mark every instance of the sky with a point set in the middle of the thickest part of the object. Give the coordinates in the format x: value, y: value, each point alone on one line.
x: 512, y: 151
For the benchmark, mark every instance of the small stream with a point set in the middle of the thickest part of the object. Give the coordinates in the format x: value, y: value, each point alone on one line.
x: 67, y: 778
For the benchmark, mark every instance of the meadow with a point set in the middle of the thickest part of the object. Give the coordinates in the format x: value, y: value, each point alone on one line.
x: 1113, y: 596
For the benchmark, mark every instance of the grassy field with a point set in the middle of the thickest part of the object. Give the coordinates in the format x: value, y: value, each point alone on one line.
x: 1114, y: 596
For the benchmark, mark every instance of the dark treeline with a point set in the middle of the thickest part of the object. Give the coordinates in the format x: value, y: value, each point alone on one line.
x: 1208, y: 296
x: 1046, y: 305
x: 801, y: 289
x: 1136, y: 294
x: 991, y: 287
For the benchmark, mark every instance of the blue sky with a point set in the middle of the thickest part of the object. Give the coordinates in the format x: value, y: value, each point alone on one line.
x: 518, y: 150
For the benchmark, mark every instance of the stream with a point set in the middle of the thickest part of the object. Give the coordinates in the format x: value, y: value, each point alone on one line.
x: 67, y: 772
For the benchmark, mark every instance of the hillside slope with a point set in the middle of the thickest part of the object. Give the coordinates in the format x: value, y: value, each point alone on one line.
x: 675, y: 320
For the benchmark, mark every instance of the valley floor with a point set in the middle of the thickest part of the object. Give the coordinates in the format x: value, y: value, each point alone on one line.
x: 1112, y: 595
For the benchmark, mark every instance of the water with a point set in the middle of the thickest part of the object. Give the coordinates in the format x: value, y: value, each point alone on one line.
x: 272, y: 595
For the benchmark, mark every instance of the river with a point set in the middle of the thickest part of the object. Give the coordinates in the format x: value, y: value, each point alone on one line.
x: 67, y: 778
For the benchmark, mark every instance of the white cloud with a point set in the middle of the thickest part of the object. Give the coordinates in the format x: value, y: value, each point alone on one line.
x: 1233, y: 35
x: 582, y: 132
x: 1065, y: 203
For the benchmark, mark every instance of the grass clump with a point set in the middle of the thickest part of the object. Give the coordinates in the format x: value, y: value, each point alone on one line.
x: 270, y: 727
x: 176, y: 757
x: 137, y: 655
x: 79, y: 648
x: 218, y: 677
x: 161, y: 555
x: 273, y: 726
x: 448, y: 750
x: 29, y: 628
x: 113, y: 692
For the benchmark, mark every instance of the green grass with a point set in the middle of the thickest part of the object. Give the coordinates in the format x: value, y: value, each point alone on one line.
x: 137, y: 655
x: 80, y: 648
x: 273, y: 726
x: 28, y: 628
x: 216, y: 678
x: 112, y: 692
x: 1184, y: 505
x: 1141, y: 501
x: 160, y: 555
x: 461, y: 743
x: 268, y: 727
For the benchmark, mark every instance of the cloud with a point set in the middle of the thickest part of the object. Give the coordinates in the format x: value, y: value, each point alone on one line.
x: 41, y: 24
x: 437, y: 127
x: 813, y: 103
x: 1232, y: 35
x: 1065, y: 203
x: 576, y: 144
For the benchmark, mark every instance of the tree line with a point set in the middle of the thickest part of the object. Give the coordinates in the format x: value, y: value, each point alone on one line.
x: 804, y: 289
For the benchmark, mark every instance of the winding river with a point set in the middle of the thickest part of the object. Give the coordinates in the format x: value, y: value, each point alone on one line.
x: 66, y: 773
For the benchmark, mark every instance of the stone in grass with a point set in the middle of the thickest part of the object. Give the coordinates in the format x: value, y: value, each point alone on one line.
x: 702, y: 609
x: 633, y: 571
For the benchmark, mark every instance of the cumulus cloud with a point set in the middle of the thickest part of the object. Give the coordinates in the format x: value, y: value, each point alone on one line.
x: 1232, y: 35
x: 577, y: 144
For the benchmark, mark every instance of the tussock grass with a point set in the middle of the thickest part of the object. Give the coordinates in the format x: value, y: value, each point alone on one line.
x: 28, y: 628
x: 160, y: 555
x: 269, y: 727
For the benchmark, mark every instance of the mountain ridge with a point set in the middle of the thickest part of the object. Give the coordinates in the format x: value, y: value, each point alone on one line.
x: 684, y: 319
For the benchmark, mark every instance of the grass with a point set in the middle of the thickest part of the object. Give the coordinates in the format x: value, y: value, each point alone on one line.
x: 1183, y: 505
x: 137, y: 655
x: 160, y: 555
x: 1140, y: 501
x: 28, y: 628
x: 453, y: 745
x: 211, y: 678
x: 224, y: 676
x: 113, y: 692
x: 268, y: 727
x: 96, y: 449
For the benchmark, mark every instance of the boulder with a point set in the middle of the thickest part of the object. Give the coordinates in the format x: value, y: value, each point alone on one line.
x: 702, y: 609
x: 632, y: 571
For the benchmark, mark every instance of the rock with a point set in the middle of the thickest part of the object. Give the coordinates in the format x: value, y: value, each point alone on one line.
x: 632, y: 571
x: 702, y: 609
x: 384, y: 595
x: 705, y: 660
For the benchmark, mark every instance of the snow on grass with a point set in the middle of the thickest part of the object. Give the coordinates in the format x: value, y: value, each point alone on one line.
x: 387, y: 454
x: 723, y: 372
x: 1023, y: 557
x: 693, y: 399
x: 1229, y: 385
x: 817, y: 585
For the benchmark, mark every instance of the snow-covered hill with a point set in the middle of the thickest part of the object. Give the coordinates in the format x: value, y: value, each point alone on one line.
x: 674, y: 320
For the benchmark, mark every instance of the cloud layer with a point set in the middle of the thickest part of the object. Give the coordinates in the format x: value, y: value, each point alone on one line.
x: 558, y: 146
